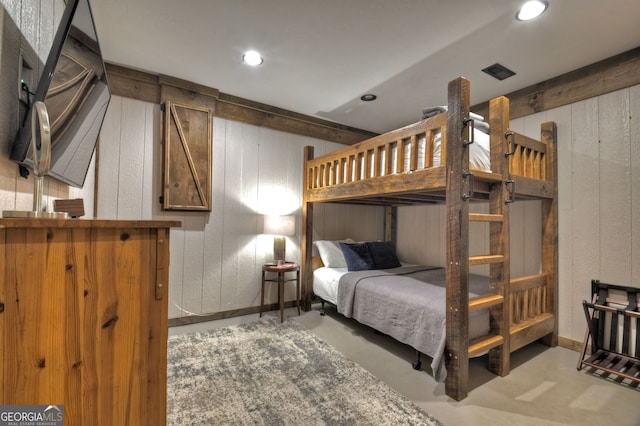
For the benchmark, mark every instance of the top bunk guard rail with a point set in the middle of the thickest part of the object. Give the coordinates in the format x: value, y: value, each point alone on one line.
x: 399, y: 167
x: 529, y: 157
x: 405, y: 150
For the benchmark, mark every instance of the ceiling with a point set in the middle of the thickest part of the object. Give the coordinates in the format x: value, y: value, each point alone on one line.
x: 320, y: 56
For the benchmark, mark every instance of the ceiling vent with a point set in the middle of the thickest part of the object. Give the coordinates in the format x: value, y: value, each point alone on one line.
x: 498, y: 71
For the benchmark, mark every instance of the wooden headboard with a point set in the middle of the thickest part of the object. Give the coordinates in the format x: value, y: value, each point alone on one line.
x: 316, y: 262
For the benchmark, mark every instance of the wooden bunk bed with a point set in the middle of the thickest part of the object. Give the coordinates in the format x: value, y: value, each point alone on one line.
x: 522, y: 310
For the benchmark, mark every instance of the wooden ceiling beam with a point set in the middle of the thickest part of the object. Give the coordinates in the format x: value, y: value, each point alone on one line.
x: 608, y: 75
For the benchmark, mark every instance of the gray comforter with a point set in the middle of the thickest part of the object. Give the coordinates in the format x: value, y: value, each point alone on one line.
x: 408, y: 304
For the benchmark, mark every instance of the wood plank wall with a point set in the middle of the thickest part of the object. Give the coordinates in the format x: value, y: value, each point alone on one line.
x: 216, y: 256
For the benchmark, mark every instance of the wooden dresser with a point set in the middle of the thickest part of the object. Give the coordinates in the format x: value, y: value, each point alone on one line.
x: 83, y: 318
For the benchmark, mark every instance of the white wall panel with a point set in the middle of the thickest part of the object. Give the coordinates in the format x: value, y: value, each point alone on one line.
x: 14, y: 8
x: 213, y: 251
x: 176, y: 273
x: 422, y: 234
x: 364, y: 223
x: 634, y: 109
x: 240, y: 217
x: 151, y: 162
x: 585, y: 259
x: 109, y: 160
x: 193, y: 262
x: 48, y: 24
x: 131, y: 162
x: 24, y: 192
x: 615, y: 187
x: 29, y: 25
x: 439, y: 216
x: 517, y: 225
x: 532, y: 243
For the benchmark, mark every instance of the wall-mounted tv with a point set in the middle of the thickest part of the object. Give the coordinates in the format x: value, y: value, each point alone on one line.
x: 74, y: 87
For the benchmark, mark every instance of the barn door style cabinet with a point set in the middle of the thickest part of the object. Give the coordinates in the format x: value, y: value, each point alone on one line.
x: 187, y: 150
x: 83, y: 318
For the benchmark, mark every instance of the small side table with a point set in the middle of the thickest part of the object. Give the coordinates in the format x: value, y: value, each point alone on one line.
x: 280, y: 271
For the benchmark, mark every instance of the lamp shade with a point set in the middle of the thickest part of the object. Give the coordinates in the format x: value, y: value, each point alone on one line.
x: 280, y: 225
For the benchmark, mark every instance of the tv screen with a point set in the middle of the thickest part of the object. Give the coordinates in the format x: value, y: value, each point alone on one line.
x: 75, y: 90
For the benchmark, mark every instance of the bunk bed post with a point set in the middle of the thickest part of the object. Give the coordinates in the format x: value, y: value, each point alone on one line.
x: 550, y: 230
x: 457, y: 257
x: 307, y: 234
x: 500, y: 273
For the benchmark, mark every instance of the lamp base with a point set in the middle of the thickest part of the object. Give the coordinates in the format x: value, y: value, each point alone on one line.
x: 279, y: 249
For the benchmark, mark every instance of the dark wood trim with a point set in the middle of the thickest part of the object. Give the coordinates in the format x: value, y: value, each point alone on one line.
x: 165, y: 80
x: 194, y: 319
x: 568, y: 343
x: 306, y: 244
x: 247, y: 111
x: 608, y: 75
x: 145, y: 86
x: 134, y: 84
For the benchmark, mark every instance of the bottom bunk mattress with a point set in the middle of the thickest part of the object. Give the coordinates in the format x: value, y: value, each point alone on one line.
x: 407, y: 303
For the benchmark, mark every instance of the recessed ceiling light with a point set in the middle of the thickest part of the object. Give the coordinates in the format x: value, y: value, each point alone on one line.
x: 368, y: 97
x: 531, y: 9
x: 253, y: 58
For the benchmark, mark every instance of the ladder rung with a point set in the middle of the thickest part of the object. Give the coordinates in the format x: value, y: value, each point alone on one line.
x: 482, y: 302
x: 484, y: 343
x: 485, y: 260
x: 481, y: 217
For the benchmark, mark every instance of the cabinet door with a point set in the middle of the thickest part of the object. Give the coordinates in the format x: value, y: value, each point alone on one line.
x: 41, y: 337
x: 85, y: 322
x: 187, y: 157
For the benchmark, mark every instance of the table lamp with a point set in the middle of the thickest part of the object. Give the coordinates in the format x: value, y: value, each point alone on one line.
x: 280, y: 227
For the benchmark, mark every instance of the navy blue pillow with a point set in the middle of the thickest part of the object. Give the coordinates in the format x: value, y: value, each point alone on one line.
x: 357, y: 256
x: 383, y: 254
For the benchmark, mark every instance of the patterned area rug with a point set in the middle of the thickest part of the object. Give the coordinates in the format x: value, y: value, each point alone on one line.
x: 268, y: 373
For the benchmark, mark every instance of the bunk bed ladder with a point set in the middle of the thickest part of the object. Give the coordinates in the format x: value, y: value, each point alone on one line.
x: 495, y: 300
x: 497, y: 343
x: 459, y: 306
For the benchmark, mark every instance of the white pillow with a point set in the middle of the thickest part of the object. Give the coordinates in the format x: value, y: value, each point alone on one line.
x: 331, y: 253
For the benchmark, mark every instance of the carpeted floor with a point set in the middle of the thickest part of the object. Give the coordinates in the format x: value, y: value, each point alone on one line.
x: 272, y: 373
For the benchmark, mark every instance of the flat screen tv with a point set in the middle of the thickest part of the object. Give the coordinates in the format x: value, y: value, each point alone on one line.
x: 74, y: 87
